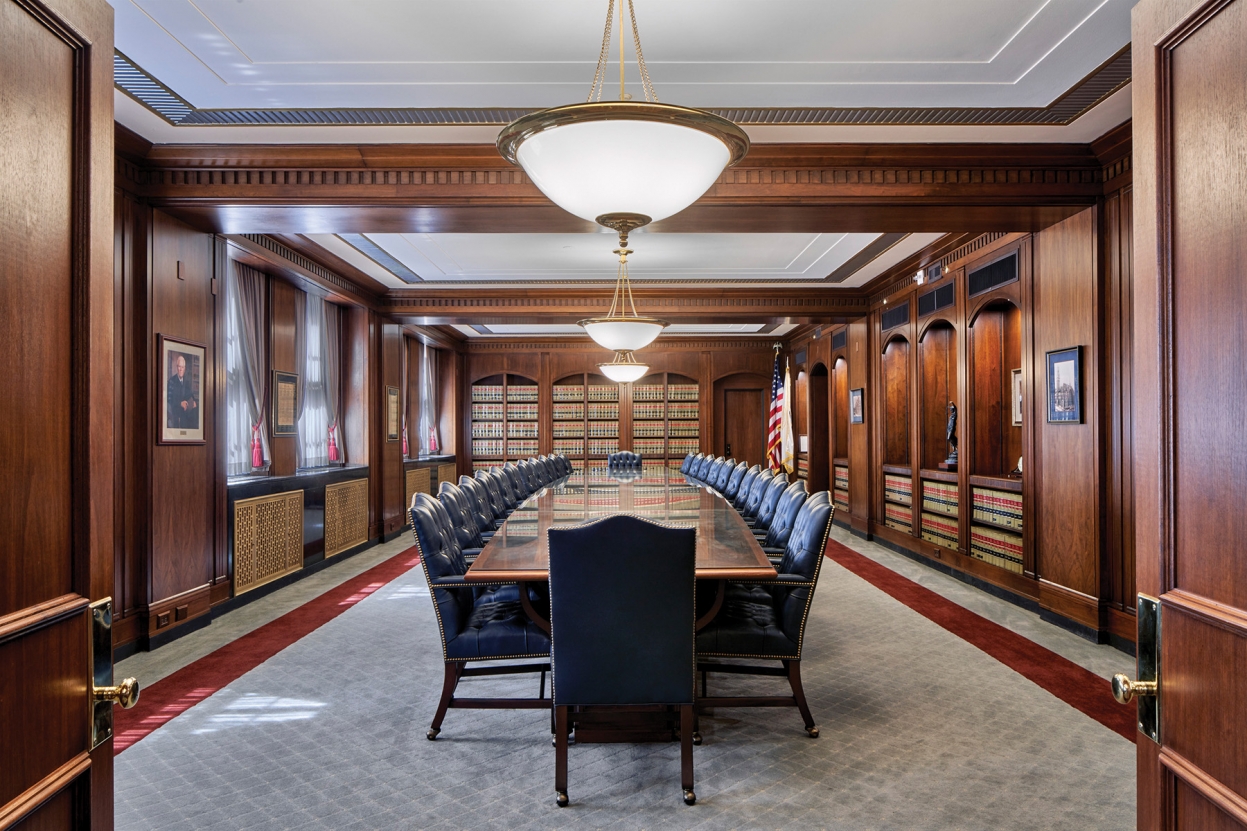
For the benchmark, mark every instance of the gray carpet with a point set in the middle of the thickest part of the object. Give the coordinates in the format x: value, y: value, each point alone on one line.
x: 919, y: 731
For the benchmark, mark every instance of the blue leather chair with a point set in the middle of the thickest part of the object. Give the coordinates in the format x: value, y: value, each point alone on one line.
x: 528, y: 476
x: 770, y: 499
x: 623, y: 460
x: 474, y: 624
x: 766, y: 620
x: 622, y: 613
x: 467, y: 532
x: 733, y: 481
x: 756, y: 492
x: 691, y: 473
x: 517, y: 484
x: 707, y: 466
x: 710, y: 471
x: 746, y: 485
x: 542, y: 475
x: 509, y: 497
x: 776, y: 535
x: 688, y: 460
x: 496, y: 502
x: 722, y: 474
x: 482, y: 511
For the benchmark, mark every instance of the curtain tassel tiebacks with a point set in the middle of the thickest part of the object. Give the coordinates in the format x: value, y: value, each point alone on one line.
x: 257, y: 449
x: 333, y: 445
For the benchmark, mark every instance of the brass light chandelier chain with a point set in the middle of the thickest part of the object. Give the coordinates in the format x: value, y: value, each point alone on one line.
x: 599, y: 74
x: 623, y: 286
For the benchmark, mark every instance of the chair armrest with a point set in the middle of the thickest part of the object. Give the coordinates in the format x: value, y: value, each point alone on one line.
x: 773, y: 551
x: 453, y: 581
x: 778, y: 580
x: 470, y: 553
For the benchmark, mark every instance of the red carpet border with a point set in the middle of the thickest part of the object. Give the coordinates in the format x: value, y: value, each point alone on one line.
x: 175, y: 694
x: 1080, y: 688
x: 178, y: 692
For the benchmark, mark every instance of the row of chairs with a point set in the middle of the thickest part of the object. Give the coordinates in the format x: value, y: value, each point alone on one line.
x: 765, y: 620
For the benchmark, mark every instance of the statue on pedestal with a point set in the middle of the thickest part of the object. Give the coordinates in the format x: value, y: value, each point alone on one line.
x: 951, y: 432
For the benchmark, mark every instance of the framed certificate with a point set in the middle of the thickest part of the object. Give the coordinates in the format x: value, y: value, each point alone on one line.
x: 392, y: 407
x: 284, y: 420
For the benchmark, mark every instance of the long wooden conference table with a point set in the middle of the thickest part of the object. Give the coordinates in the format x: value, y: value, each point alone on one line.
x: 726, y: 547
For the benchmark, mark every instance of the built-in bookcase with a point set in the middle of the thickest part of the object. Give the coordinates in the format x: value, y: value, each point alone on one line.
x: 505, y: 420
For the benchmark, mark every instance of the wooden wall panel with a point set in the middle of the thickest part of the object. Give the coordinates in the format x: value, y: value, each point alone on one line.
x: 393, y: 486
x: 937, y: 367
x: 1067, y: 512
x: 861, y: 463
x: 895, y: 398
x: 1119, y: 401
x: 840, y: 407
x: 283, y: 323
x: 412, y: 383
x: 183, y: 477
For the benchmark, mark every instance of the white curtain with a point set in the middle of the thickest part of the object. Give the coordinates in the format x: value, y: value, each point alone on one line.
x: 429, y: 440
x: 316, y: 412
x: 332, y: 353
x: 246, y: 380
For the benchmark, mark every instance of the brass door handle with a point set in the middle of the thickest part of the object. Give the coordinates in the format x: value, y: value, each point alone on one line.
x: 1125, y: 690
x: 126, y: 693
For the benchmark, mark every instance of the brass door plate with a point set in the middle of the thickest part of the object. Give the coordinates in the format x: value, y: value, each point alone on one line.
x: 101, y: 669
x: 1148, y: 666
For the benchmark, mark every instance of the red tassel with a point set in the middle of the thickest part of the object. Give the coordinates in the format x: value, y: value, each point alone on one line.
x: 406, y: 448
x: 333, y: 445
x: 257, y: 449
x: 433, y: 448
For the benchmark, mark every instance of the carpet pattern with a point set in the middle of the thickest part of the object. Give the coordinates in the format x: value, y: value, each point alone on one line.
x: 920, y: 729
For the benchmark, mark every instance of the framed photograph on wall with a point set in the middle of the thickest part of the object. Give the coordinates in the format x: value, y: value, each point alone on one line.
x: 392, y: 407
x: 284, y: 420
x: 1065, y: 386
x: 1016, y: 397
x: 857, y: 407
x: 181, y: 385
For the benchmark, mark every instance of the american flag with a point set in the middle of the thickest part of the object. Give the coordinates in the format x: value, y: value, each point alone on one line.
x: 774, y: 431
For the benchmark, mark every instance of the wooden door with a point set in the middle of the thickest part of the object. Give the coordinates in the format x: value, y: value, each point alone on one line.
x: 820, y: 430
x: 56, y: 441
x: 1190, y: 169
x: 744, y: 425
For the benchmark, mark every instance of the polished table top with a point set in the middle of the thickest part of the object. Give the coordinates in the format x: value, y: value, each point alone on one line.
x: 726, y: 548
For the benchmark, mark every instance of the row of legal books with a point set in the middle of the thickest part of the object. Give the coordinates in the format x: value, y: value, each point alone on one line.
x: 603, y: 392
x: 648, y: 392
x: 522, y: 429
x: 940, y: 529
x: 569, y: 429
x: 486, y: 392
x: 603, y: 429
x: 682, y: 446
x: 522, y: 411
x: 517, y: 448
x: 682, y: 392
x: 603, y: 447
x: 898, y: 489
x: 648, y: 410
x: 569, y: 447
x: 604, y: 411
x: 568, y: 393
x: 521, y: 393
x: 648, y: 447
x: 487, y: 429
x: 568, y: 412
x: 487, y: 412
x: 683, y: 410
x: 1001, y: 508
x: 939, y: 497
x: 683, y: 430
x: 487, y: 447
x: 649, y: 429
x: 841, y: 477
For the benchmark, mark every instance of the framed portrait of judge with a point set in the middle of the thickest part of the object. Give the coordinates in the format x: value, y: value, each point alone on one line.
x: 284, y: 398
x: 181, y: 384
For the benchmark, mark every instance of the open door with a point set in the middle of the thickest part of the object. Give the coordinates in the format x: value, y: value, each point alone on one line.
x: 56, y: 442
x: 1190, y: 255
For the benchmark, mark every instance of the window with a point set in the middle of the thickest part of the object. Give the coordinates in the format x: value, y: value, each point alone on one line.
x: 319, y: 402
x: 429, y: 442
x: 245, y: 441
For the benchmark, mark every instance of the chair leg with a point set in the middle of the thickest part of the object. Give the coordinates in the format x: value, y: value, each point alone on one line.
x: 541, y: 686
x: 798, y: 693
x: 560, y: 756
x: 449, y: 682
x: 686, y: 753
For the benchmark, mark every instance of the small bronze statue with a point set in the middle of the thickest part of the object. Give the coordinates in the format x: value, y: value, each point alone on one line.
x: 951, y: 461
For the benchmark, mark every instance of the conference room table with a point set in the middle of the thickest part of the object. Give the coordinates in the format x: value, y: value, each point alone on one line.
x: 726, y: 547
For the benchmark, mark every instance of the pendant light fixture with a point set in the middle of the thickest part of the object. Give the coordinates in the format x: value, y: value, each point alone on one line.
x: 623, y: 330
x: 624, y: 369
x: 625, y: 160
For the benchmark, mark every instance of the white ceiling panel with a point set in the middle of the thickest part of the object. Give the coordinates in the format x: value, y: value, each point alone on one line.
x: 539, y: 258
x: 545, y: 330
x: 537, y: 53
x: 907, y: 247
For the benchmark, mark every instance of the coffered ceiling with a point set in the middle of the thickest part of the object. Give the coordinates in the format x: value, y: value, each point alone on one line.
x: 472, y: 63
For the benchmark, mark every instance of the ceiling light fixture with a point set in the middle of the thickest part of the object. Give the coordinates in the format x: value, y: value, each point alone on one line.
x: 624, y: 369
x: 623, y: 161
x: 620, y: 331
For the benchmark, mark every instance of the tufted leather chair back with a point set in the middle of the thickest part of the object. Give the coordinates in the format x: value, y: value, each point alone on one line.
x: 455, y: 501
x: 770, y: 499
x: 548, y: 464
x: 688, y: 460
x: 699, y: 469
x: 539, y: 472
x: 790, y: 503
x: 528, y: 476
x: 723, y: 474
x: 513, y: 476
x: 710, y: 471
x: 440, y: 556
x: 746, y: 485
x: 496, y: 504
x: 756, y: 492
x: 803, y: 558
x: 693, y: 466
x: 478, y: 499
x: 504, y: 487
x: 734, y: 478
x: 622, y: 613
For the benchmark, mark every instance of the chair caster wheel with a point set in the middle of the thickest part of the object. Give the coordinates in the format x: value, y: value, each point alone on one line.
x: 690, y: 798
x: 432, y: 734
x: 697, y: 739
x: 562, y: 800
x: 813, y: 731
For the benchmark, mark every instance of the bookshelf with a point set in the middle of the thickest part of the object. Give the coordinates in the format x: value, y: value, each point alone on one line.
x: 505, y: 422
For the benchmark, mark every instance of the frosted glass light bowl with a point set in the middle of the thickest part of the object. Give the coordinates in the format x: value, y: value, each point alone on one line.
x: 623, y: 156
x: 623, y: 334
x: 624, y: 369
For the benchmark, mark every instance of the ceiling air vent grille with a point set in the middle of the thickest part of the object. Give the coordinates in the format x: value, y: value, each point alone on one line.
x: 991, y: 276
x: 936, y: 299
x: 896, y: 317
x: 840, y: 339
x: 799, y: 358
